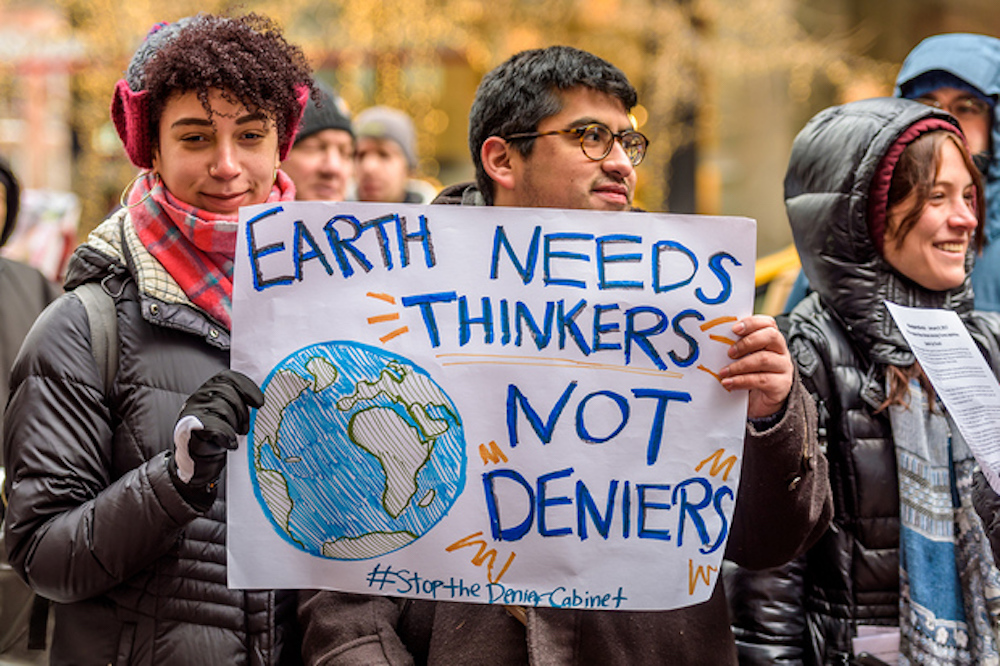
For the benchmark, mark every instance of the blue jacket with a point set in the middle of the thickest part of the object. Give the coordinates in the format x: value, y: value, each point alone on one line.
x: 976, y: 60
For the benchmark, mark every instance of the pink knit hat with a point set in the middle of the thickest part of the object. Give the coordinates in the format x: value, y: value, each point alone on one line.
x: 130, y: 104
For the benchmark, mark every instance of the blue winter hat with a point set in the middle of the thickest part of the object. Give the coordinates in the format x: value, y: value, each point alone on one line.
x: 930, y: 81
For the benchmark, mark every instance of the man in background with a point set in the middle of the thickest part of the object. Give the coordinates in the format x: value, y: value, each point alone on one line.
x: 387, y: 157
x: 321, y: 162
x: 960, y: 73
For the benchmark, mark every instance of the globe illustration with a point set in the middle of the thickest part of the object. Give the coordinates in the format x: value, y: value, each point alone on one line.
x: 356, y: 452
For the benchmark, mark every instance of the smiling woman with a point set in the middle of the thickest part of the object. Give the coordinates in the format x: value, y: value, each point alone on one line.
x: 218, y: 159
x: 932, y: 212
x: 885, y: 205
x: 114, y: 504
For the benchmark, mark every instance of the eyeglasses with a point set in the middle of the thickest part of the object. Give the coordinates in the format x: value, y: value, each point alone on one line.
x: 963, y: 106
x: 596, y: 141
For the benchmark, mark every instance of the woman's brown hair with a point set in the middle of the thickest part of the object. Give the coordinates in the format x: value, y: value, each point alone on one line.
x: 916, y: 172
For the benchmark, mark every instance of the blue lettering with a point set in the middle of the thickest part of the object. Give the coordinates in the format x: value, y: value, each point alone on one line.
x: 544, y: 432
x: 656, y: 431
x: 551, y: 254
x: 641, y: 336
x: 465, y: 321
x: 259, y: 283
x: 581, y: 428
x: 644, y: 533
x: 585, y: 503
x: 303, y: 236
x: 517, y: 531
x: 525, y: 270
x: 725, y: 282
x: 671, y: 246
x: 603, y: 259
x: 544, y: 501
x: 424, y: 302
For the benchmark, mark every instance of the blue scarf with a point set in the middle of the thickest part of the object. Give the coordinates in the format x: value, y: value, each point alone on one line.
x: 949, y: 587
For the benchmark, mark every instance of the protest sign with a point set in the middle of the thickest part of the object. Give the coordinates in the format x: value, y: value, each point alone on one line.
x: 487, y: 405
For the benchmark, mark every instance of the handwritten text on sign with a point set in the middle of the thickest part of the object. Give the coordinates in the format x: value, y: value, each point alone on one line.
x: 488, y: 405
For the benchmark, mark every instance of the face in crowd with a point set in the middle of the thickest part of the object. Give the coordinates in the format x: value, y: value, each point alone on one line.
x: 218, y: 161
x: 583, y: 157
x: 930, y: 248
x: 382, y: 170
x: 972, y: 113
x: 321, y: 165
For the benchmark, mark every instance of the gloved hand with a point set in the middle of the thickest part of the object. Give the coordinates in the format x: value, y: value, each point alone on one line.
x: 206, y: 429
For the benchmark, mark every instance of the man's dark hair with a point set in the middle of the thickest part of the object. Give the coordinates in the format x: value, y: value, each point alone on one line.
x: 521, y: 92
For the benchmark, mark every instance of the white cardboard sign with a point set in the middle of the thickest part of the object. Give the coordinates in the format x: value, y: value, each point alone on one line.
x: 488, y: 405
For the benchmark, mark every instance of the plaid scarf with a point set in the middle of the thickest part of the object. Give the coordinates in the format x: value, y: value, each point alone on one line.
x: 195, y: 247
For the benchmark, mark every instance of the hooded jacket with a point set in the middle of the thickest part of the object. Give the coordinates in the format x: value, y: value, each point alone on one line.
x: 974, y: 59
x: 138, y: 576
x: 843, y: 337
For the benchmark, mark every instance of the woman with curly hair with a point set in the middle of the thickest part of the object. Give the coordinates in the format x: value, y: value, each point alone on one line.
x: 115, y: 511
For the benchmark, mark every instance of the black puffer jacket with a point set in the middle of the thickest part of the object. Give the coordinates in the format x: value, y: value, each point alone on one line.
x: 842, y: 338
x: 94, y: 521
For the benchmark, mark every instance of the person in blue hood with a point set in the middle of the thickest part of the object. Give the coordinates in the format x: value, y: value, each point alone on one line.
x: 960, y: 73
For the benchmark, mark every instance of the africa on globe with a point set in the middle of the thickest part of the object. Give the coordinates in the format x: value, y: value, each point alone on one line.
x: 357, y: 452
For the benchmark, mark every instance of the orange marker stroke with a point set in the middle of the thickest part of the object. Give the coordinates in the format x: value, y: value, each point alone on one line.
x: 715, y: 322
x: 491, y: 453
x: 703, y: 573
x: 386, y: 317
x: 382, y: 297
x: 717, y: 377
x: 482, y: 555
x: 391, y: 334
x: 718, y: 464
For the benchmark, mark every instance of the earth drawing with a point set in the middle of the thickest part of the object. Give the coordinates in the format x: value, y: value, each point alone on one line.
x: 356, y: 452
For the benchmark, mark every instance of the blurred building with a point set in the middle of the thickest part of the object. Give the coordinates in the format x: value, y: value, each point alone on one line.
x: 38, y: 55
x: 724, y: 85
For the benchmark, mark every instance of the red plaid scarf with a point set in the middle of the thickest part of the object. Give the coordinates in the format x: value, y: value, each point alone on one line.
x: 195, y: 247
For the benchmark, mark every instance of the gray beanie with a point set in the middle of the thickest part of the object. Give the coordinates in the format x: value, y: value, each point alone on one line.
x: 332, y: 113
x: 382, y: 122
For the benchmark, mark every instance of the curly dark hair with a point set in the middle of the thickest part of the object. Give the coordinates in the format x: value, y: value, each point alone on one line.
x: 523, y: 91
x: 246, y: 57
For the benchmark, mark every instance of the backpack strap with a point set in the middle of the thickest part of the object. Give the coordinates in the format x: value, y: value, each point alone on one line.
x: 103, y: 318
x: 102, y: 315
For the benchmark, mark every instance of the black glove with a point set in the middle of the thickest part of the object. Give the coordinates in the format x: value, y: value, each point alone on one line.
x: 206, y: 429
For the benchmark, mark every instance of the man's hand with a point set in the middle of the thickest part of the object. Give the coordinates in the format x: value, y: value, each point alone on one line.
x: 763, y: 365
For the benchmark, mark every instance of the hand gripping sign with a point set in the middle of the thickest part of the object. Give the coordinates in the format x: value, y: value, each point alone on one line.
x: 488, y: 405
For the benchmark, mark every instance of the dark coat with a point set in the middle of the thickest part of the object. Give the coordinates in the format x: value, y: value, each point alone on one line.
x: 776, y: 517
x: 24, y: 293
x: 95, y: 522
x: 842, y: 338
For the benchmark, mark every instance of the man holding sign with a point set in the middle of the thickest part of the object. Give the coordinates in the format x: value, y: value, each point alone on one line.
x: 551, y: 128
